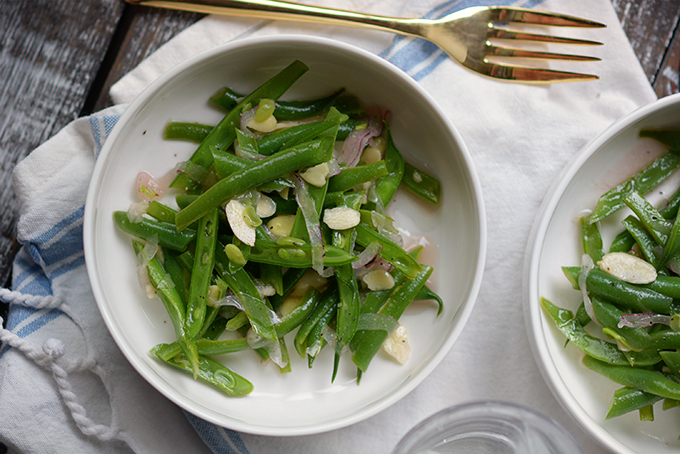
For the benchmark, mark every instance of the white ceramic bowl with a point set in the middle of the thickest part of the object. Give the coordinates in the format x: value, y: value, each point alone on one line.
x: 610, y: 159
x: 303, y: 401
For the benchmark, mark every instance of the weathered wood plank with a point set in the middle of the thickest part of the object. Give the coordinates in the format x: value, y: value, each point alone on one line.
x: 649, y: 25
x: 50, y: 52
x: 149, y: 29
x: 666, y: 82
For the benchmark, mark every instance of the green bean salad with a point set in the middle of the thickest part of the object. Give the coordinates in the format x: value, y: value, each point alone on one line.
x: 628, y: 324
x: 278, y: 233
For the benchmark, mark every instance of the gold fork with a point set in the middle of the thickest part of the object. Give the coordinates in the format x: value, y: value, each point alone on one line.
x: 474, y: 37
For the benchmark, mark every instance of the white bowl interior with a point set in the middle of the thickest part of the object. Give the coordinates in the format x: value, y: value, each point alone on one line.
x: 612, y: 158
x: 303, y: 401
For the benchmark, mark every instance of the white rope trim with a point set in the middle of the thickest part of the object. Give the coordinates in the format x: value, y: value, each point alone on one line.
x: 50, y: 357
x: 34, y: 301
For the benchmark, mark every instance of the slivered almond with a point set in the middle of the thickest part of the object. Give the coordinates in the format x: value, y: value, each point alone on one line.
x: 628, y: 268
x: 235, y: 215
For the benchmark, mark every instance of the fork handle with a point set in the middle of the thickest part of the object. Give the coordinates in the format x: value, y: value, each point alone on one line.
x: 276, y: 9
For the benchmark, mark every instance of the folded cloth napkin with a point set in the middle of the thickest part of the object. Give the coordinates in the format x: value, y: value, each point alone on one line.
x: 65, y: 386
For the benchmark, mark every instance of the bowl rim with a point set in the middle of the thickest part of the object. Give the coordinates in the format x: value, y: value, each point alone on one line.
x: 533, y: 316
x: 476, y: 203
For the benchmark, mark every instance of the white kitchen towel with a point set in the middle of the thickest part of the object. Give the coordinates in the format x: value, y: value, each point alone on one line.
x: 61, y: 374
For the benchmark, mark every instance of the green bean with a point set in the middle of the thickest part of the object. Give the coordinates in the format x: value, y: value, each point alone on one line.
x: 283, y: 206
x: 595, y: 347
x: 349, y: 305
x: 623, y: 242
x: 397, y: 303
x: 165, y: 234
x: 178, y: 274
x: 285, y: 110
x: 672, y: 244
x: 219, y: 324
x: 349, y: 302
x: 655, y: 224
x: 224, y: 133
x: 215, y: 312
x: 642, y: 182
x: 215, y: 374
x: 259, y: 315
x: 315, y: 339
x: 421, y: 183
x: 627, y: 399
x: 173, y: 303
x: 272, y: 275
x: 645, y: 380
x: 274, y: 166
x: 290, y: 279
x: 206, y: 347
x: 592, y: 240
x: 427, y: 294
x: 346, y: 128
x: 668, y: 137
x: 329, y: 300
x: 298, y: 134
x: 634, y: 296
x: 389, y: 250
x: 672, y: 360
x: 226, y: 163
x: 298, y: 315
x: 582, y: 316
x: 201, y: 274
x: 354, y: 176
x: 226, y: 98
x: 238, y: 321
x: 246, y: 143
x: 179, y: 130
x: 373, y: 302
x: 643, y: 239
x: 666, y: 285
x: 299, y: 256
x: 387, y: 185
x: 161, y: 212
x: 183, y: 200
x: 637, y: 339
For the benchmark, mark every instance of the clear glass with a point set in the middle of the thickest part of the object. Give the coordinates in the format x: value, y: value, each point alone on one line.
x: 488, y: 427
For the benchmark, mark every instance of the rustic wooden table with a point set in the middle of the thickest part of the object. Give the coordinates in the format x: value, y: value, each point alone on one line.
x: 58, y: 60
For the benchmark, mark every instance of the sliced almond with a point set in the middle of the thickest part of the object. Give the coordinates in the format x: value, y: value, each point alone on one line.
x: 281, y: 225
x: 316, y: 175
x: 266, y: 207
x: 371, y: 155
x: 378, y: 279
x: 235, y: 215
x: 628, y: 268
x: 341, y: 218
x: 267, y: 125
x: 397, y: 345
x: 310, y: 279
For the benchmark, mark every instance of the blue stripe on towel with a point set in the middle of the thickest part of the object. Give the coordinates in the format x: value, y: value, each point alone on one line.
x: 101, y: 126
x: 218, y: 439
x: 39, y: 322
x: 51, y: 254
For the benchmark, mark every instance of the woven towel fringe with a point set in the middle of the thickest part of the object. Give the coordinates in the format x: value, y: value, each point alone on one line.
x: 51, y: 357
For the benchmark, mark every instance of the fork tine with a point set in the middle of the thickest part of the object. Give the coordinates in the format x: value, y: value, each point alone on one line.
x: 533, y: 17
x: 506, y: 51
x: 534, y: 75
x: 508, y: 33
